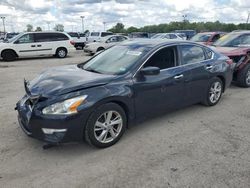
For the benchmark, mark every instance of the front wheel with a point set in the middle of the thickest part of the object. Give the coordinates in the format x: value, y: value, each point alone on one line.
x: 214, y: 92
x: 8, y: 55
x: 106, y: 125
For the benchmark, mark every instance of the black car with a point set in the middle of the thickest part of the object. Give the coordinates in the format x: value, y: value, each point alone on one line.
x: 97, y: 100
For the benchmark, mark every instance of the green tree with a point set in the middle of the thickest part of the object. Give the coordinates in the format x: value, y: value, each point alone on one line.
x: 59, y: 27
x: 38, y: 29
x: 29, y: 28
x: 132, y: 29
x: 118, y: 28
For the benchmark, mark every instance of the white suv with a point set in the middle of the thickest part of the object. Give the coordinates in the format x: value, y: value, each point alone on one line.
x: 96, y: 36
x: 31, y: 44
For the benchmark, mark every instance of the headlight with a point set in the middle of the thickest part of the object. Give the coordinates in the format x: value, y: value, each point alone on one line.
x: 68, y: 106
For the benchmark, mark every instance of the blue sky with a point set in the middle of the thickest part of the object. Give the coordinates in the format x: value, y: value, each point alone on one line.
x: 138, y: 13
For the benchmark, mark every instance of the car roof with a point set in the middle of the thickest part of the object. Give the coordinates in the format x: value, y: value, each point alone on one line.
x: 152, y: 43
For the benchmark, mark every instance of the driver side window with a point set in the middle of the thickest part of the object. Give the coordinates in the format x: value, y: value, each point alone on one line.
x: 163, y: 59
x: 27, y: 38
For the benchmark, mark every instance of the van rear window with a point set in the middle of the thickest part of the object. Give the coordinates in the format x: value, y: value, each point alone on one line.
x: 94, y: 34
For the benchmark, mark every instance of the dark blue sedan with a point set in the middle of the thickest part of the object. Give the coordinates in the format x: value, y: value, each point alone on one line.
x: 98, y: 99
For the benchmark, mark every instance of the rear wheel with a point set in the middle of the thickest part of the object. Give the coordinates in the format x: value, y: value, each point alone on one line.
x: 243, y: 76
x: 9, y: 55
x: 214, y: 92
x: 61, y: 53
x: 106, y: 125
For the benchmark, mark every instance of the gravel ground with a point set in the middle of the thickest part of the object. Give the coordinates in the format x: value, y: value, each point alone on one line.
x: 193, y: 147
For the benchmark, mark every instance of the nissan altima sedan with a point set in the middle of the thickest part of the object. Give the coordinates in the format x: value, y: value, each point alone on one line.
x: 98, y: 99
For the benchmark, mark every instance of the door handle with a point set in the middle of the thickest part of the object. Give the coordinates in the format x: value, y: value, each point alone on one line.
x: 209, y: 67
x: 33, y: 46
x: 178, y: 76
x: 39, y: 45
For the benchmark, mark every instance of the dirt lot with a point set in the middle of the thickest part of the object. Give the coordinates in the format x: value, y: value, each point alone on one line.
x: 193, y: 147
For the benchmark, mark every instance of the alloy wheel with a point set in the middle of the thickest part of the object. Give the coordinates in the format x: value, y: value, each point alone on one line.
x: 248, y: 77
x: 61, y: 53
x: 108, y: 126
x: 215, y: 92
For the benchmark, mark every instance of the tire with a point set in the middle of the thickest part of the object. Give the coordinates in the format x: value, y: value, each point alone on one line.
x: 100, y: 49
x: 9, y: 55
x: 98, y: 131
x: 243, y: 76
x: 213, y: 96
x: 61, y: 52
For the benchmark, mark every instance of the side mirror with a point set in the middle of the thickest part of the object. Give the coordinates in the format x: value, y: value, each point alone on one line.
x: 150, y: 71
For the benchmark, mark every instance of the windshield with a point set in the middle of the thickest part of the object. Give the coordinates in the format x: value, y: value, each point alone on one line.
x: 233, y: 40
x: 201, y: 37
x: 160, y: 35
x: 14, y: 38
x: 115, y: 60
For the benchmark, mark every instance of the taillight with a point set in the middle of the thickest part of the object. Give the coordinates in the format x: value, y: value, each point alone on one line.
x: 229, y: 61
x: 72, y: 42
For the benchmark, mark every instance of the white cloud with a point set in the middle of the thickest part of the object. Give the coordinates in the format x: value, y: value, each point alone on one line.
x: 138, y: 13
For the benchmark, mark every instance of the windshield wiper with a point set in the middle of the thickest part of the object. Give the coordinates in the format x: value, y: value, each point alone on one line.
x: 92, y: 70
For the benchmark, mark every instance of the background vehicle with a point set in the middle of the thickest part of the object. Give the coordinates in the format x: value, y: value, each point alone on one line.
x: 78, y: 38
x: 168, y: 36
x: 207, y: 38
x: 189, y: 33
x: 33, y: 44
x: 104, y: 43
x: 138, y: 35
x: 236, y: 45
x: 96, y: 36
x: 9, y: 35
x: 98, y: 99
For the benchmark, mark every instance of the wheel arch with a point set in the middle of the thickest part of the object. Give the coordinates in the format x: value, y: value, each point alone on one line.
x: 222, y: 78
x: 9, y: 49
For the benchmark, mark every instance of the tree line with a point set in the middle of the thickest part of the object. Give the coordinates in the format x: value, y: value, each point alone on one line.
x: 58, y: 27
x: 169, y: 27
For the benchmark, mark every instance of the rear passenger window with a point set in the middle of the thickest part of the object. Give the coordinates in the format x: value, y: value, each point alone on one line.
x: 192, y: 54
x: 48, y: 37
x: 94, y: 34
x: 104, y: 34
x: 59, y: 36
x: 209, y: 53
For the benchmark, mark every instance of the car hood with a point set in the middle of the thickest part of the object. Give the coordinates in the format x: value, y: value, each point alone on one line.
x: 66, y: 79
x: 232, y: 51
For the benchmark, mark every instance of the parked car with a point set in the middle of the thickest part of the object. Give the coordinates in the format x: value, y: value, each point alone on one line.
x: 168, y: 36
x: 97, y: 100
x: 10, y: 35
x: 138, y: 35
x: 236, y: 45
x: 189, y: 33
x: 31, y: 44
x: 78, y: 38
x: 96, y: 36
x: 207, y: 38
x: 104, y: 43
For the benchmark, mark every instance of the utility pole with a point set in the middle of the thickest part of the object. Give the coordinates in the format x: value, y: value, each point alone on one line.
x: 3, y: 19
x: 104, y: 26
x: 248, y: 18
x: 82, y: 17
x: 48, y: 23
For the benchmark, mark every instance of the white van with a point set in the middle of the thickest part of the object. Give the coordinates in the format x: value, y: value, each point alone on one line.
x: 96, y: 36
x: 31, y: 44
